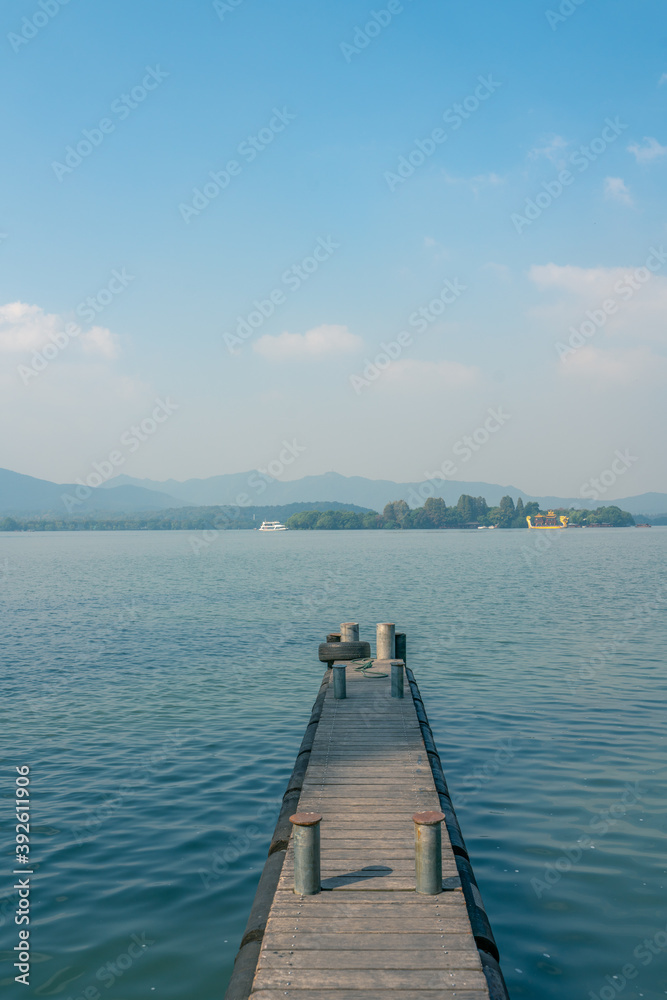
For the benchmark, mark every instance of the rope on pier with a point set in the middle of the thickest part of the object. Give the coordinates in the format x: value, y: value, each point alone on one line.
x: 365, y: 668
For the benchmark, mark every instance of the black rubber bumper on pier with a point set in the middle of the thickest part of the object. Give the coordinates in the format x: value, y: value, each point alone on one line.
x: 481, y: 925
x: 245, y: 964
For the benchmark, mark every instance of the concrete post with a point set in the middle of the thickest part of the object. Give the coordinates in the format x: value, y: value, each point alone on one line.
x: 339, y: 683
x: 397, y: 679
x: 401, y: 647
x: 306, y: 842
x: 349, y: 632
x: 386, y: 641
x: 428, y: 852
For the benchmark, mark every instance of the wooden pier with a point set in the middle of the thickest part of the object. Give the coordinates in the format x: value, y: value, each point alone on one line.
x: 367, y: 765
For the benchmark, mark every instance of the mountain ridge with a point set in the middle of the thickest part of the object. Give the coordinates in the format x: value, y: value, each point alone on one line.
x: 371, y: 493
x: 21, y: 494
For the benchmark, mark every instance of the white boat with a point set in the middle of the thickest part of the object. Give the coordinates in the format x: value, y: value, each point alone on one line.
x: 272, y: 526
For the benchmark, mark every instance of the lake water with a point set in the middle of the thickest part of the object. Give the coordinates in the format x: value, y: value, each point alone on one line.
x: 159, y: 697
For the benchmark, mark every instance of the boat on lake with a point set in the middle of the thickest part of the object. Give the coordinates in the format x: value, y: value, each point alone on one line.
x: 272, y: 526
x: 548, y: 521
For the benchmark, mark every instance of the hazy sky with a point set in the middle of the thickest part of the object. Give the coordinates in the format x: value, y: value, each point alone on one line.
x: 238, y: 203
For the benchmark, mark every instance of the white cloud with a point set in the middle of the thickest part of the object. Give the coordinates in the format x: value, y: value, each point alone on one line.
x: 551, y: 150
x: 619, y: 367
x: 578, y: 280
x: 615, y: 189
x: 637, y: 296
x: 99, y: 340
x: 663, y: 79
x: 319, y: 343
x: 646, y: 153
x: 24, y: 328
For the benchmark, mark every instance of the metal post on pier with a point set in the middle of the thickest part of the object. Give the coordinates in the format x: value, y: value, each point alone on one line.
x: 397, y: 679
x: 428, y: 852
x: 401, y: 649
x: 386, y: 641
x: 349, y: 632
x: 306, y: 841
x: 339, y: 681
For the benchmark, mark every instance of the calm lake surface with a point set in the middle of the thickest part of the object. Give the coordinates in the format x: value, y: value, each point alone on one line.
x: 159, y: 697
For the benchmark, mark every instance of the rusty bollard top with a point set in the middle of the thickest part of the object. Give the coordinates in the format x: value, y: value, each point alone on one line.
x: 428, y: 818
x: 305, y: 819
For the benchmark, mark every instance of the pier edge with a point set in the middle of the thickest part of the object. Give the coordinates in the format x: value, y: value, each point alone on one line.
x: 481, y: 925
x: 245, y: 963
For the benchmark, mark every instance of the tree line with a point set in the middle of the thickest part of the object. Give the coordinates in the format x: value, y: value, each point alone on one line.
x: 469, y: 512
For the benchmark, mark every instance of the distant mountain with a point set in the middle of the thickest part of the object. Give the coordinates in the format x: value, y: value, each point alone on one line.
x: 653, y: 504
x: 21, y: 494
x: 373, y: 493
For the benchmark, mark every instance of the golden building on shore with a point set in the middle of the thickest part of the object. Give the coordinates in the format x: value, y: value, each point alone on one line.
x: 548, y: 521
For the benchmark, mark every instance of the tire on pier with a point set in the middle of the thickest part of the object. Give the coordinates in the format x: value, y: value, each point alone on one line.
x: 330, y: 651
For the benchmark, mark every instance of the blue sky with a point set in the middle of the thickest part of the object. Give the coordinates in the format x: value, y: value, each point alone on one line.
x: 333, y: 124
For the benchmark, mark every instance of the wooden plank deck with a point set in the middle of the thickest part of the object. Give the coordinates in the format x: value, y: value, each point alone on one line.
x: 368, y: 935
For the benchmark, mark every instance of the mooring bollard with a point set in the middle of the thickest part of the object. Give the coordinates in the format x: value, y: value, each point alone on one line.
x: 349, y: 632
x: 386, y: 641
x: 306, y: 841
x: 428, y: 852
x: 339, y: 685
x: 401, y: 649
x: 397, y: 679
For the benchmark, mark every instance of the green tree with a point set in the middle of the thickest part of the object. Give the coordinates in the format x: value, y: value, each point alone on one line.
x: 466, y: 508
x: 519, y: 515
x: 453, y: 519
x: 481, y: 509
x: 329, y: 520
x: 395, y: 513
x: 304, y: 520
x: 420, y: 519
x: 435, y: 509
x: 493, y: 516
x: 612, y: 515
x: 506, y: 511
x: 371, y: 520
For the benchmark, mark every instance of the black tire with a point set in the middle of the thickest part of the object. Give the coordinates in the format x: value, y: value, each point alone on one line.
x: 330, y: 651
